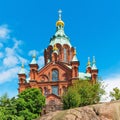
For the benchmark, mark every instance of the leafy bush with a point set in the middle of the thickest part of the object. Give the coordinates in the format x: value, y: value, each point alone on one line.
x: 115, y: 94
x: 82, y: 93
x: 27, y: 106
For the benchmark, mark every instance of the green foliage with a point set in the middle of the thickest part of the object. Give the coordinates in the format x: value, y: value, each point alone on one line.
x: 29, y: 103
x: 115, y: 94
x: 27, y: 115
x: 7, y: 109
x: 89, y: 93
x: 4, y: 100
x: 27, y: 106
x: 86, y: 92
x: 71, y: 99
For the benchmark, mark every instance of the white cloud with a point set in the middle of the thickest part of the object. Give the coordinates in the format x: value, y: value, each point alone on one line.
x: 4, y: 32
x: 111, y: 82
x: 41, y: 61
x: 17, y: 43
x: 9, y: 51
x: 9, y: 74
x: 22, y: 60
x: 10, y: 56
x: 10, y: 61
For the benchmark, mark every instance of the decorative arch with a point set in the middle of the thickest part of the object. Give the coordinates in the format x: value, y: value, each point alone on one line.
x: 66, y: 46
x: 59, y: 46
x: 50, y: 47
x: 43, y: 78
x: 54, y: 56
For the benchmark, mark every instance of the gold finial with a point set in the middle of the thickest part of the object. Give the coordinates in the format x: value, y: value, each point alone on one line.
x: 88, y: 64
x: 60, y: 22
x: 22, y: 65
x: 74, y: 51
x: 55, y: 48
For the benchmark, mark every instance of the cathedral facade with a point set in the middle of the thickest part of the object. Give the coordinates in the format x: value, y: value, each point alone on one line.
x: 60, y: 69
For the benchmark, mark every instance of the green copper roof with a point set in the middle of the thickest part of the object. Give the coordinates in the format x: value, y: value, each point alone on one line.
x: 34, y: 59
x: 60, y: 32
x: 22, y: 70
x: 75, y: 58
x: 60, y: 37
x: 94, y: 67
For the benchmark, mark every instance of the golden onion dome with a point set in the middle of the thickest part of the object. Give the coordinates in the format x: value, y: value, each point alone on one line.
x: 59, y: 23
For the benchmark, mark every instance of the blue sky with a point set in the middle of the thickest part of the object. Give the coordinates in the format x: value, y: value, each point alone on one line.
x: 93, y: 28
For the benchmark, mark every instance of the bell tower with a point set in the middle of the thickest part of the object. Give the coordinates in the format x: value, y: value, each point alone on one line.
x: 88, y: 68
x: 94, y: 71
x: 22, y: 78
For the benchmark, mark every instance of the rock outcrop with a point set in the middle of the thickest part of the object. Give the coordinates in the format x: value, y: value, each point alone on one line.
x: 104, y: 111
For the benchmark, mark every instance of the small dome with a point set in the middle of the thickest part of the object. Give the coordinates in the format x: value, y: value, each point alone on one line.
x: 59, y: 23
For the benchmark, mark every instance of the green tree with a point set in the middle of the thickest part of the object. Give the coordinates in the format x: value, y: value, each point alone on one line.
x: 88, y: 94
x: 8, y: 108
x: 115, y: 94
x: 30, y: 103
x: 71, y: 99
x: 27, y: 106
x: 4, y: 100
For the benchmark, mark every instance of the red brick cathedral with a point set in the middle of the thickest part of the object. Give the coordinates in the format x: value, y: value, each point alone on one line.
x: 60, y: 68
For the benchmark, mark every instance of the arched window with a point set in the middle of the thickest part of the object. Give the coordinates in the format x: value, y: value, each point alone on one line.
x: 50, y: 55
x: 55, y: 75
x: 65, y: 55
x: 70, y: 55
